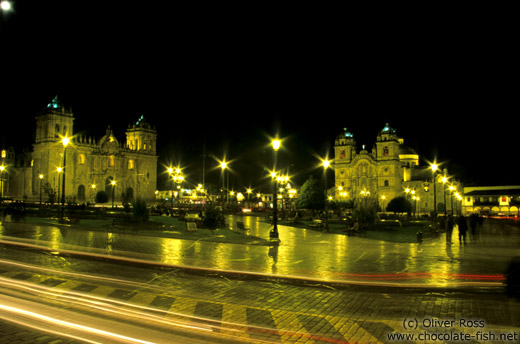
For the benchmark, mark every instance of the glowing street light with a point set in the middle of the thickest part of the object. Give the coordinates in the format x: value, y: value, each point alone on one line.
x: 65, y: 142
x: 326, y: 164
x: 2, y: 169
x: 434, y: 168
x: 113, y: 183
x: 223, y: 167
x: 41, y: 178
x: 276, y: 144
x: 273, y: 234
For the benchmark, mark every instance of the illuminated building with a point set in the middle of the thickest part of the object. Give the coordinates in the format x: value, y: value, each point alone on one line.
x: 492, y: 200
x: 390, y: 170
x: 91, y: 164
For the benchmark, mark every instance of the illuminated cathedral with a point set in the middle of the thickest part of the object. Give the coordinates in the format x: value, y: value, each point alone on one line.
x: 390, y: 170
x: 88, y: 164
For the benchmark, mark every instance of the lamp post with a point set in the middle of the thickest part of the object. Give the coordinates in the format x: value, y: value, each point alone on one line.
x: 113, y: 183
x: 273, y: 234
x: 2, y: 169
x: 41, y: 179
x: 178, y: 178
x: 249, y: 197
x: 65, y: 141
x: 59, y: 170
x: 434, y: 168
x: 326, y: 164
x: 223, y: 166
x: 451, y: 188
x: 444, y: 180
x: 93, y: 192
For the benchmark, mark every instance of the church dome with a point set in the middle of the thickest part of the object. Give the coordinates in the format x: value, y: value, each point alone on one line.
x: 345, y: 134
x: 406, y: 150
x: 387, y: 129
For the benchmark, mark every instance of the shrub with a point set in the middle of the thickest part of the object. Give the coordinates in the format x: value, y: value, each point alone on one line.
x: 140, y: 209
x: 101, y: 197
x: 213, y: 217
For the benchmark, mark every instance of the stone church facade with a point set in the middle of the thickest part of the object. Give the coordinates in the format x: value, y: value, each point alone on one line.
x: 390, y: 170
x: 90, y: 164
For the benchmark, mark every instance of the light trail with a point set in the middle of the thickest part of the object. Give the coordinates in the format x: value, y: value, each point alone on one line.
x: 139, y: 314
x: 71, y: 325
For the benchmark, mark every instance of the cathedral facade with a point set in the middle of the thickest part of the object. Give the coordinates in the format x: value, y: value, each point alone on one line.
x: 87, y: 164
x: 390, y: 170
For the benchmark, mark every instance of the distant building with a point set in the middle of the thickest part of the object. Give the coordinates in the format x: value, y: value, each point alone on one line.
x: 91, y: 164
x: 390, y: 170
x: 492, y: 200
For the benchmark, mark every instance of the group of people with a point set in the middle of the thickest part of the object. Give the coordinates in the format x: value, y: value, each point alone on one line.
x: 463, y: 227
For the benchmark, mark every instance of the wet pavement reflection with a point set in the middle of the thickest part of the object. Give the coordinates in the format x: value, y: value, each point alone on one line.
x: 304, y: 252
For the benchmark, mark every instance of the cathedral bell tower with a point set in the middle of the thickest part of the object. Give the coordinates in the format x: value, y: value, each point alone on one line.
x: 344, y: 153
x: 141, y: 137
x: 344, y: 147
x: 54, y: 122
x: 387, y: 145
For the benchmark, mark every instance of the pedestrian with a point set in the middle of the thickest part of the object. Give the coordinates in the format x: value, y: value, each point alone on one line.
x: 449, y: 228
x: 354, y: 229
x: 473, y: 223
x: 463, y: 228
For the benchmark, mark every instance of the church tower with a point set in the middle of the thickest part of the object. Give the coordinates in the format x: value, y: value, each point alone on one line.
x: 141, y: 137
x: 387, y: 145
x: 344, y: 153
x: 345, y: 147
x: 54, y: 122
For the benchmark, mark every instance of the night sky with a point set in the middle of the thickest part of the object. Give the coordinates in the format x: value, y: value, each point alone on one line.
x: 234, y: 83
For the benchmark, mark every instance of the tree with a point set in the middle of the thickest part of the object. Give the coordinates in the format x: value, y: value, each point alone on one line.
x: 312, y: 195
x: 101, y: 197
x: 365, y: 210
x: 399, y: 205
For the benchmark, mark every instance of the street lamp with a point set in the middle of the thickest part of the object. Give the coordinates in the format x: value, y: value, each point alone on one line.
x: 249, y: 191
x: 93, y: 192
x: 223, y: 166
x: 434, y: 168
x: 273, y: 234
x: 444, y: 180
x: 2, y: 169
x: 41, y: 178
x: 113, y: 183
x: 59, y: 170
x: 65, y: 142
x: 326, y: 164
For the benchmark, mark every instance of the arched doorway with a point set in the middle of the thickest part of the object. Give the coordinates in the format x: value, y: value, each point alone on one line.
x: 81, y: 193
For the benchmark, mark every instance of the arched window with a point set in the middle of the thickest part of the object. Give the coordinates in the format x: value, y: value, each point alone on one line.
x: 81, y: 159
x: 131, y: 164
x: 386, y: 182
x: 111, y: 161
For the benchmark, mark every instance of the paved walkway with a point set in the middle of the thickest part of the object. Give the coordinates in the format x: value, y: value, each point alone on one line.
x: 304, y: 253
